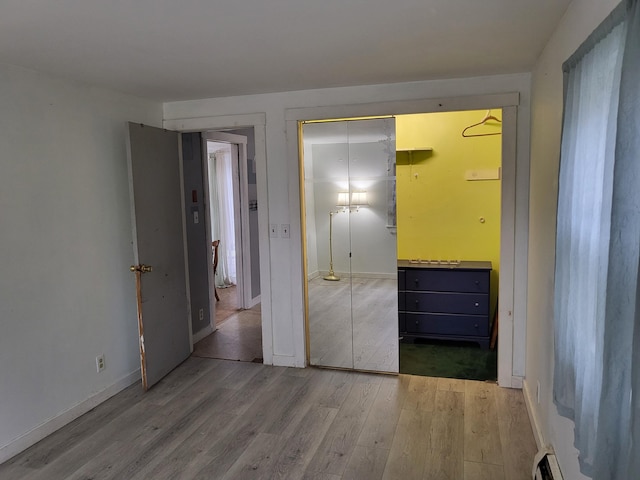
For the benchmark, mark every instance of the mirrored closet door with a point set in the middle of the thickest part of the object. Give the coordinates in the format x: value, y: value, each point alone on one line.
x: 350, y: 249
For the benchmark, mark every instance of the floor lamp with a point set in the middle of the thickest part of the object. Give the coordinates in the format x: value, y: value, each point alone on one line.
x: 358, y: 199
x: 332, y: 276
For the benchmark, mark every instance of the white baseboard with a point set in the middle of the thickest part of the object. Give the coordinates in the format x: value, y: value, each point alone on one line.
x: 255, y: 301
x: 48, y: 427
x: 202, y: 333
x: 529, y: 401
x: 286, y: 361
x: 516, y: 382
x: 347, y: 275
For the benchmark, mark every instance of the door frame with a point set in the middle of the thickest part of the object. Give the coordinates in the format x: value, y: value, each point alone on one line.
x: 514, y: 215
x: 241, y: 213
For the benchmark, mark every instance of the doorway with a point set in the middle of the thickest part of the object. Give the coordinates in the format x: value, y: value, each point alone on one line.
x: 224, y: 214
x: 448, y: 209
x: 228, y: 178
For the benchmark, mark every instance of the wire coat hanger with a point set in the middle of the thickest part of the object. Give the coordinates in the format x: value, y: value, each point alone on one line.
x: 486, y: 118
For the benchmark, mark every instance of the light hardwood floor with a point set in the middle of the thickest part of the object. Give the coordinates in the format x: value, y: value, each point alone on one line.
x: 217, y: 419
x: 239, y: 337
x: 239, y: 332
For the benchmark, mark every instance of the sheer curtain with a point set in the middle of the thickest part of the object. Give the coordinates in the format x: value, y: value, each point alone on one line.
x: 598, y: 235
x: 223, y: 224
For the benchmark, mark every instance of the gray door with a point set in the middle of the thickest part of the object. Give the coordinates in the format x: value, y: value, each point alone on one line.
x: 156, y: 212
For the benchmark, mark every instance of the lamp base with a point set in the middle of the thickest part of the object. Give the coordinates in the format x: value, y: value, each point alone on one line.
x: 331, y: 277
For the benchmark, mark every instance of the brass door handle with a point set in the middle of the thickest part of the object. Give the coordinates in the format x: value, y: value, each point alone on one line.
x: 141, y: 268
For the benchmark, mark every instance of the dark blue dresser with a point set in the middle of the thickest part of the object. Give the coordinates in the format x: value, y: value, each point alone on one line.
x: 444, y: 301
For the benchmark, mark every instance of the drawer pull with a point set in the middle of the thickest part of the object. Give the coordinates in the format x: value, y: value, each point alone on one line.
x: 477, y: 282
x: 477, y: 304
x: 417, y: 322
x: 417, y: 303
x: 476, y: 325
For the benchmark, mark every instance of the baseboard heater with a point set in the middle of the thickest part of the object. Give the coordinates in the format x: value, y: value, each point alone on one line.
x: 545, y: 466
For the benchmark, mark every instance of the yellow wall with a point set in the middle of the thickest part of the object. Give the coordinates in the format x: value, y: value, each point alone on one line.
x: 438, y: 211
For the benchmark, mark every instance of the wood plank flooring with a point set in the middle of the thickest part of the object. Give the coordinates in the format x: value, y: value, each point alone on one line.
x: 238, y: 334
x: 218, y: 419
x: 239, y: 337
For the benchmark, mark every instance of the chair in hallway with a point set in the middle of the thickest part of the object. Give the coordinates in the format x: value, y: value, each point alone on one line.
x: 215, y: 245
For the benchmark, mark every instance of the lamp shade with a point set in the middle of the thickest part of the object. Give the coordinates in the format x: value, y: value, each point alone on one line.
x: 343, y: 199
x: 359, y: 199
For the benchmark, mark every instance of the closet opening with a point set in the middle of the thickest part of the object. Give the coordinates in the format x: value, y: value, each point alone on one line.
x: 402, y: 242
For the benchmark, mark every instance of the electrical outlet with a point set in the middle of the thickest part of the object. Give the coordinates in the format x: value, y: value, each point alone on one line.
x: 285, y: 230
x: 538, y: 391
x: 273, y: 230
x: 201, y: 314
x: 100, y: 363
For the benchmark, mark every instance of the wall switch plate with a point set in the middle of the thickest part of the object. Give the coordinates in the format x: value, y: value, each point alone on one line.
x: 201, y: 314
x: 285, y: 230
x: 100, y: 363
x: 196, y: 217
x: 273, y: 230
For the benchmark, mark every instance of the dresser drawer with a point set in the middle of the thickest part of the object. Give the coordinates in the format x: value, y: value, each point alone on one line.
x: 447, y: 302
x: 442, y: 324
x: 446, y: 280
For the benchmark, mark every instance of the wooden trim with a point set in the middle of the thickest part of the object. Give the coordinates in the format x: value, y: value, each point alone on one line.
x: 533, y: 418
x: 215, y: 123
x: 507, y: 247
x: 403, y: 107
x: 303, y: 241
x: 208, y: 330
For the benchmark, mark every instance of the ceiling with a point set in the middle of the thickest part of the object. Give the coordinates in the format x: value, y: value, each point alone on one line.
x: 188, y: 49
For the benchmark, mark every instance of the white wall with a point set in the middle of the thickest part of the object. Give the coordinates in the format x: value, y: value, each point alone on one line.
x: 283, y: 320
x: 66, y: 294
x: 580, y: 20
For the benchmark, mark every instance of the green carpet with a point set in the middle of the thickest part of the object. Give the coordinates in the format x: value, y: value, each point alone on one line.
x: 433, y: 358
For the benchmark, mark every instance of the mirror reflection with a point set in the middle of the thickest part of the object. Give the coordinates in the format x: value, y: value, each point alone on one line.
x: 349, y: 191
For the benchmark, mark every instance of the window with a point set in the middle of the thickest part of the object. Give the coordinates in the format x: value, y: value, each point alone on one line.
x: 597, y: 248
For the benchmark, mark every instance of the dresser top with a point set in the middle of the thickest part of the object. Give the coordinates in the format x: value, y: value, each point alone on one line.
x: 432, y: 265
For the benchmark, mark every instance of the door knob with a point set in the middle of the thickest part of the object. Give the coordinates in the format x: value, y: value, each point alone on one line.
x: 141, y: 268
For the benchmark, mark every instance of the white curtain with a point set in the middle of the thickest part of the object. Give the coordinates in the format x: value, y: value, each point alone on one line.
x: 598, y: 238
x: 223, y: 225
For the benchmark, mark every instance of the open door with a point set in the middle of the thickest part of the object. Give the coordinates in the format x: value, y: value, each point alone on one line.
x: 158, y: 245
